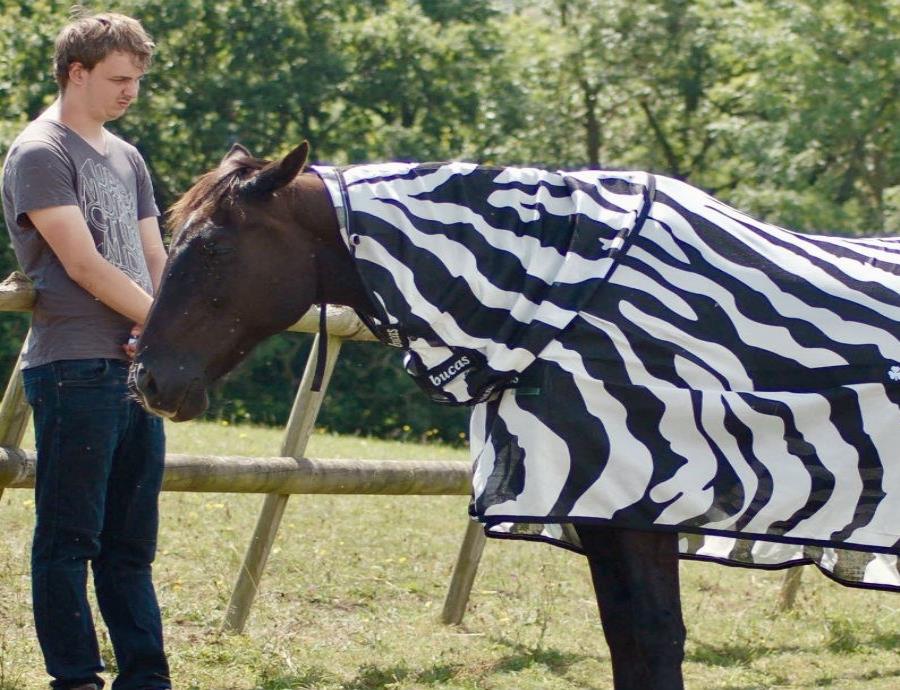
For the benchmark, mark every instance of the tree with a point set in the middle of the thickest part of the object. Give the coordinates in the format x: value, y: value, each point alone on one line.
x: 26, y: 88
x: 831, y: 155
x: 787, y: 109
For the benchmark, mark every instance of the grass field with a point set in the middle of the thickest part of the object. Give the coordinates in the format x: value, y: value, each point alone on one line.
x: 351, y: 597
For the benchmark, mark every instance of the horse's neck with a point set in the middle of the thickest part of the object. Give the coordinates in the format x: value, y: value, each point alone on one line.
x: 339, y: 281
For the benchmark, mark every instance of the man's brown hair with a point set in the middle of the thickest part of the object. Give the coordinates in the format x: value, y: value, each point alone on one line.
x: 88, y: 39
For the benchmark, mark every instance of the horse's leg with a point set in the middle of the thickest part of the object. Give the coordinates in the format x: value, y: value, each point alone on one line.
x: 635, y: 576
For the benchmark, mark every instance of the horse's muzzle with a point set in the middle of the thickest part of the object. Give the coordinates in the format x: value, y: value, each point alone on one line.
x: 181, y: 402
x: 143, y: 387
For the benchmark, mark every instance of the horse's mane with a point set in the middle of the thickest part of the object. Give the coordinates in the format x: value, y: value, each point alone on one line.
x: 210, y: 190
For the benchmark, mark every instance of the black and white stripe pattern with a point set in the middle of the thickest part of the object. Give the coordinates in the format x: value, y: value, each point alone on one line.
x: 720, y: 377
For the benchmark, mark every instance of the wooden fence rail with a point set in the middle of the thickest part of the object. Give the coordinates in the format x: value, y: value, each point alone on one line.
x: 265, y: 475
x: 283, y: 475
x: 278, y: 477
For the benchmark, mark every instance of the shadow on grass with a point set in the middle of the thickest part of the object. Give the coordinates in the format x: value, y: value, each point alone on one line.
x: 553, y: 660
x: 734, y: 654
x: 523, y: 657
x: 742, y: 653
x: 832, y: 681
x: 314, y: 677
x: 837, y: 682
x: 368, y: 678
x: 841, y: 681
x: 878, y: 675
x: 888, y: 641
x: 373, y: 677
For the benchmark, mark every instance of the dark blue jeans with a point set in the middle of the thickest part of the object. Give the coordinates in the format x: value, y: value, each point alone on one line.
x: 99, y: 471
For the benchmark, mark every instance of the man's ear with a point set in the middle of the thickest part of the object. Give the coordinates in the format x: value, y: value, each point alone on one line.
x: 77, y: 72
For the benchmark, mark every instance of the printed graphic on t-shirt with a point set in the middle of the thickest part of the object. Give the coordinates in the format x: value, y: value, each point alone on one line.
x: 112, y: 212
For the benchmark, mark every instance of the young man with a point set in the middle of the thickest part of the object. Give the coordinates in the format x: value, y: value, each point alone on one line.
x: 79, y: 207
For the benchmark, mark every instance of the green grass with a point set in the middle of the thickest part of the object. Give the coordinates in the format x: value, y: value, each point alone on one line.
x: 354, y: 586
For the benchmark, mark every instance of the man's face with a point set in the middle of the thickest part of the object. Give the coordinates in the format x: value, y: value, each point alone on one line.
x: 110, y: 87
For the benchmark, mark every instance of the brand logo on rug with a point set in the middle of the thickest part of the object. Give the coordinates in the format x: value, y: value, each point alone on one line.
x: 393, y: 336
x: 448, y: 372
x: 894, y: 373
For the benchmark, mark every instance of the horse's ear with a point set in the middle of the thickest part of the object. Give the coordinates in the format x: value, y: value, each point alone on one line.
x: 277, y: 174
x: 237, y: 150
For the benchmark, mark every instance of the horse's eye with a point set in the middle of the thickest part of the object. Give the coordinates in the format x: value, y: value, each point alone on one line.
x: 213, y: 248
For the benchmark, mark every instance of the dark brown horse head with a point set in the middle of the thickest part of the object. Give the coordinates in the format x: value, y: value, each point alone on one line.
x: 245, y: 262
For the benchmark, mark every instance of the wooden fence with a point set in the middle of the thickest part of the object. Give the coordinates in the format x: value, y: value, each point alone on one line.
x: 278, y: 477
x: 288, y: 473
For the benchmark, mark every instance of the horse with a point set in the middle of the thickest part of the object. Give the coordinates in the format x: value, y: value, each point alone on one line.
x: 256, y: 243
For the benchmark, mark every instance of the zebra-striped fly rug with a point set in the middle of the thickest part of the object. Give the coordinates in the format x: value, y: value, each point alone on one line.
x: 641, y: 354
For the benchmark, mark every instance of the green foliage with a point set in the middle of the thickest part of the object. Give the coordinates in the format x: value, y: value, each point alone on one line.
x: 787, y: 109
x: 370, y: 394
x: 26, y: 88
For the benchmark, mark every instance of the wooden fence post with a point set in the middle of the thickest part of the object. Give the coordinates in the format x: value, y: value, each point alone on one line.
x: 299, y: 428
x: 464, y: 574
x: 789, y: 588
x: 17, y: 294
x: 14, y: 411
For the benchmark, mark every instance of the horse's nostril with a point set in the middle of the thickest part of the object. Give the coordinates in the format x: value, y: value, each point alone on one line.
x: 144, y: 381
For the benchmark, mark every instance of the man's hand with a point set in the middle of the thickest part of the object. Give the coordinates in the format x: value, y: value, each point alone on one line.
x: 131, y: 346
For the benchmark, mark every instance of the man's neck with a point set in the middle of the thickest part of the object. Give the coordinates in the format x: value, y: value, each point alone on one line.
x: 74, y: 116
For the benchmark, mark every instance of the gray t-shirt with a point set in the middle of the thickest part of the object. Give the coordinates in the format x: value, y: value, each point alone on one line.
x: 51, y: 165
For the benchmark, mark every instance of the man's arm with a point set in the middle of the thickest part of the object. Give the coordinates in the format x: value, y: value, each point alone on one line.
x: 67, y: 233
x: 154, y: 249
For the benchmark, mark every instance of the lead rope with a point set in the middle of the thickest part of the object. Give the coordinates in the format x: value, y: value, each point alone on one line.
x: 322, y: 352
